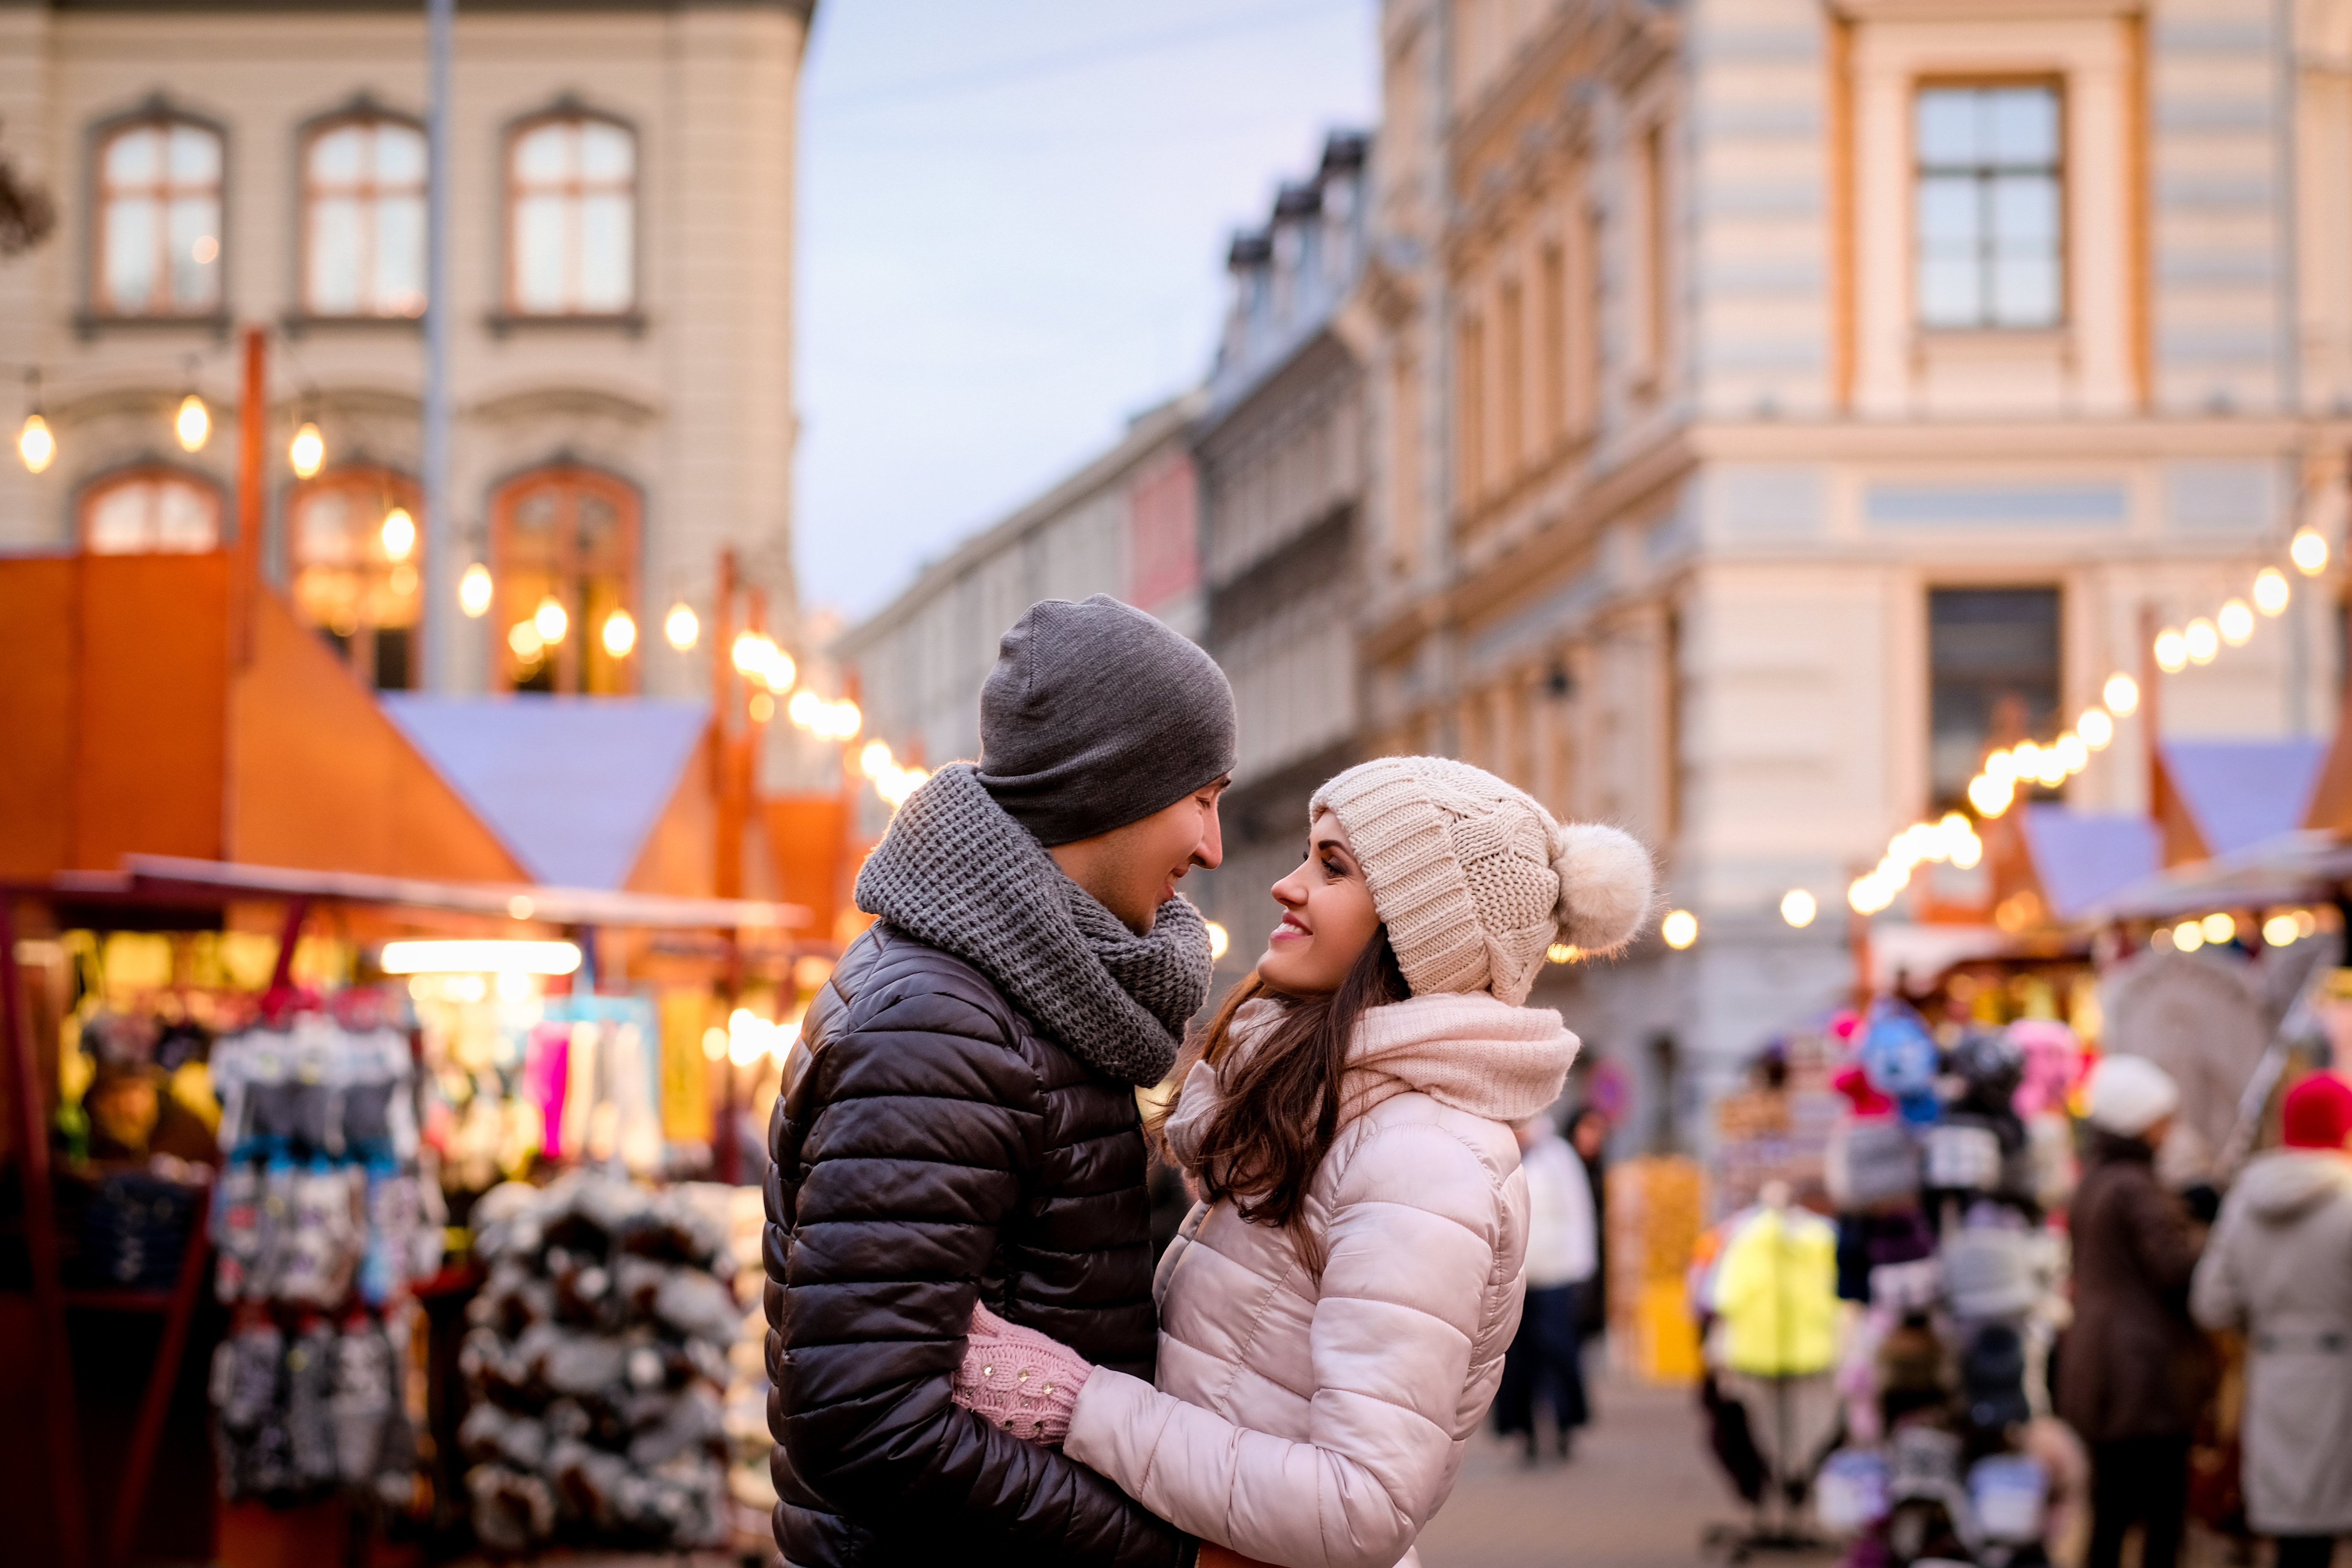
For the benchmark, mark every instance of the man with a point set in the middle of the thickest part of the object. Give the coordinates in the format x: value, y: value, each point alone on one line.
x: 961, y: 1124
x: 2133, y: 1372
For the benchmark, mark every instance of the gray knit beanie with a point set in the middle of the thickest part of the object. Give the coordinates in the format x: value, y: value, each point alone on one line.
x: 1096, y: 715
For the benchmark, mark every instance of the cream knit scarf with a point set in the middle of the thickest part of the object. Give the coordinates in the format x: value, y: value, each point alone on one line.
x: 1467, y: 1051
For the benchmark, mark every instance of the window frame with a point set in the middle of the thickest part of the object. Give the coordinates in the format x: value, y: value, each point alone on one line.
x: 158, y: 112
x: 397, y: 488
x: 86, y: 495
x: 570, y: 678
x: 359, y: 110
x: 2061, y: 172
x: 511, y: 310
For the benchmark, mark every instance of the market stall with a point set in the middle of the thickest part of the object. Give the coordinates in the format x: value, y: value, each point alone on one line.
x: 256, y: 1108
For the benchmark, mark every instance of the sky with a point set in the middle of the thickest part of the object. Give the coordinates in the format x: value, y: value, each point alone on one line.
x: 1012, y: 226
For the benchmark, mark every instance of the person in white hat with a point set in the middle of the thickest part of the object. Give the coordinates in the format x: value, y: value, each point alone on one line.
x: 1334, y: 1316
x: 2134, y: 1370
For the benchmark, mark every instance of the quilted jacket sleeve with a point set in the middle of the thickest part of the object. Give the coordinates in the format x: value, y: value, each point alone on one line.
x: 904, y: 1138
x: 1416, y: 1230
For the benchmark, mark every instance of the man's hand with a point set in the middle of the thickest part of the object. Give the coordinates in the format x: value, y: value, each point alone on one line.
x: 1215, y: 1556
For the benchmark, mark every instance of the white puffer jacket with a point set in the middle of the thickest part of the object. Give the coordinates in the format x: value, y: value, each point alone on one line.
x: 1320, y: 1423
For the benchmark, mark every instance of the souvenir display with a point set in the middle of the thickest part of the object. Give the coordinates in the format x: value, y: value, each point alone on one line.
x: 595, y: 1366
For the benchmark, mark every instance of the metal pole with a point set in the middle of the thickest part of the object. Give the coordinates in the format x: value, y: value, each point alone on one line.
x: 441, y: 565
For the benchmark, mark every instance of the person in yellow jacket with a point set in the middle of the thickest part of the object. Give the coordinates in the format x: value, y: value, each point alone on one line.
x: 1776, y: 1299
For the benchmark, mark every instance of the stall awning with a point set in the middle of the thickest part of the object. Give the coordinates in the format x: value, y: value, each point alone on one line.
x: 153, y: 877
x: 2289, y: 868
x: 2080, y: 859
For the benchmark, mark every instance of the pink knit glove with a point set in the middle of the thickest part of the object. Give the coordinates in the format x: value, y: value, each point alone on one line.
x: 1018, y: 1379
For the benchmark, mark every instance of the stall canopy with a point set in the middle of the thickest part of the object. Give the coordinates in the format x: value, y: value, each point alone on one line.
x: 2218, y: 797
x: 577, y: 789
x: 2080, y: 858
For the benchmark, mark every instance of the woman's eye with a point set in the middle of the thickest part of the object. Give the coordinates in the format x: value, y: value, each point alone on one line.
x: 1334, y: 871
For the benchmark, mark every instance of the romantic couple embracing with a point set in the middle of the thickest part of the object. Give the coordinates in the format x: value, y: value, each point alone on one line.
x: 971, y: 1359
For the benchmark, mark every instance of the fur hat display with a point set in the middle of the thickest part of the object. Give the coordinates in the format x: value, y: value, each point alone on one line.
x: 1474, y: 879
x: 2129, y: 1094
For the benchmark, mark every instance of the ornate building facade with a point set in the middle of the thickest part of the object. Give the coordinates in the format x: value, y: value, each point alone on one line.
x: 1776, y: 404
x: 621, y: 277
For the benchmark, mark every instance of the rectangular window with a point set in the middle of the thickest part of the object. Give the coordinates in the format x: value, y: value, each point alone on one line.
x: 1512, y: 353
x: 1655, y: 225
x: 159, y: 207
x: 1992, y: 678
x: 1987, y: 220
x: 1551, y: 349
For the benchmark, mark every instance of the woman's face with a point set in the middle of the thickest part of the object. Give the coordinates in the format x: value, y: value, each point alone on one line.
x: 1328, y: 918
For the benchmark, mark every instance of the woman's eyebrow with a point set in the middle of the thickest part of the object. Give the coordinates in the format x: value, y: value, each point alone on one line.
x: 1334, y: 846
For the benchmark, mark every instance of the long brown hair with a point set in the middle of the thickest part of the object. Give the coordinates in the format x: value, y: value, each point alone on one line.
x: 1281, y: 1106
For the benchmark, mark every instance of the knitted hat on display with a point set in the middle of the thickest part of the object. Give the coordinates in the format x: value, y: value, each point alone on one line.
x: 2316, y: 1113
x: 2129, y: 1094
x: 1096, y: 715
x: 1475, y: 881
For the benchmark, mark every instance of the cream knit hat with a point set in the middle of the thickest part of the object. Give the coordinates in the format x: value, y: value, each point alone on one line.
x: 1473, y: 880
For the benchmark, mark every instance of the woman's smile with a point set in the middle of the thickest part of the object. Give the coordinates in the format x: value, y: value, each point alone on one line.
x: 1290, y: 929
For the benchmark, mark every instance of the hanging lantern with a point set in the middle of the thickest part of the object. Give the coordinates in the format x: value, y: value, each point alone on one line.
x: 193, y: 424
x: 35, y: 445
x: 308, y: 451
x: 474, y: 591
x: 619, y: 633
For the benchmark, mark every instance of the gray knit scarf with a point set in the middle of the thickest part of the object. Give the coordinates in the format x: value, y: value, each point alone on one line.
x: 956, y: 872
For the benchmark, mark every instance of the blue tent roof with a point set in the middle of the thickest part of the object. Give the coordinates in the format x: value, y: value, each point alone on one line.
x: 572, y: 786
x: 2082, y: 859
x: 2240, y: 793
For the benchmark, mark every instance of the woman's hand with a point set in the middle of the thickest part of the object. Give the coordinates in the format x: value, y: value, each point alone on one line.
x: 1019, y: 1379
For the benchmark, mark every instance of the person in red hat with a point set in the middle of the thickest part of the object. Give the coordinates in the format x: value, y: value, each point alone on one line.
x: 2279, y: 1269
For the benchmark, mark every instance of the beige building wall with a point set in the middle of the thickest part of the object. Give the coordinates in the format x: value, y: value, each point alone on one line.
x: 686, y: 399
x: 1666, y: 463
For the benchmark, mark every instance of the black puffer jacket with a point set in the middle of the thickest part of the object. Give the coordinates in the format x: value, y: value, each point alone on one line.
x: 932, y: 1149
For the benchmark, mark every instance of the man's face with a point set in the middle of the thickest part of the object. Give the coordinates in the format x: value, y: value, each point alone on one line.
x: 1133, y: 870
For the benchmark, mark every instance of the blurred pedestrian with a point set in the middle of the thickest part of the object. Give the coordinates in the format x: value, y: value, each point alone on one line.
x: 1588, y: 1135
x: 2134, y: 1372
x: 2279, y: 1267
x: 1545, y: 1365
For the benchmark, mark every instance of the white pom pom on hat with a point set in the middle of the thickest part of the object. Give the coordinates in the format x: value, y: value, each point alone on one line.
x: 1606, y: 883
x: 1475, y: 881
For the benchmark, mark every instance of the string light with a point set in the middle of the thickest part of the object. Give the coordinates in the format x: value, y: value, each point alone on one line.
x: 1220, y: 940
x: 757, y: 656
x: 2309, y: 553
x: 307, y: 453
x: 892, y: 782
x: 2171, y: 651
x: 682, y: 627
x: 474, y: 591
x: 2236, y: 622
x: 619, y: 633
x: 524, y: 639
x: 2271, y: 590
x: 826, y: 720
x: 35, y: 445
x: 2096, y: 728
x: 1952, y: 838
x: 1797, y: 908
x: 2202, y: 641
x: 193, y: 424
x: 2122, y: 694
x: 1680, y: 929
x: 1563, y: 953
x: 399, y: 533
x: 2218, y: 929
x: 550, y: 620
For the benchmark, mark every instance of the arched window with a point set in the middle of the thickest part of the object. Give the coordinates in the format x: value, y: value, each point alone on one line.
x: 151, y: 511
x: 158, y: 219
x: 567, y: 534
x: 357, y: 538
x: 571, y: 205
x: 363, y: 218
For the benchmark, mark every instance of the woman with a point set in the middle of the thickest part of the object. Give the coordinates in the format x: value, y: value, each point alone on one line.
x: 2279, y: 1267
x: 1334, y: 1316
x: 1545, y: 1365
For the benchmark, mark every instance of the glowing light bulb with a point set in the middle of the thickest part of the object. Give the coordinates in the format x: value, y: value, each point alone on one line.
x: 1798, y: 908
x: 1562, y: 953
x: 1680, y: 929
x: 2171, y: 651
x: 474, y: 591
x: 2280, y: 931
x: 762, y: 708
x: 682, y: 627
x: 2309, y: 553
x: 1220, y: 940
x: 307, y: 453
x: 2187, y: 936
x: 1992, y: 796
x: 2218, y: 929
x: 524, y: 639
x: 549, y: 620
x: 2204, y: 641
x: 619, y: 633
x: 193, y: 424
x: 2096, y: 728
x: 875, y: 758
x: 399, y: 533
x: 2236, y: 621
x: 2122, y: 694
x: 35, y: 445
x: 2271, y: 590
